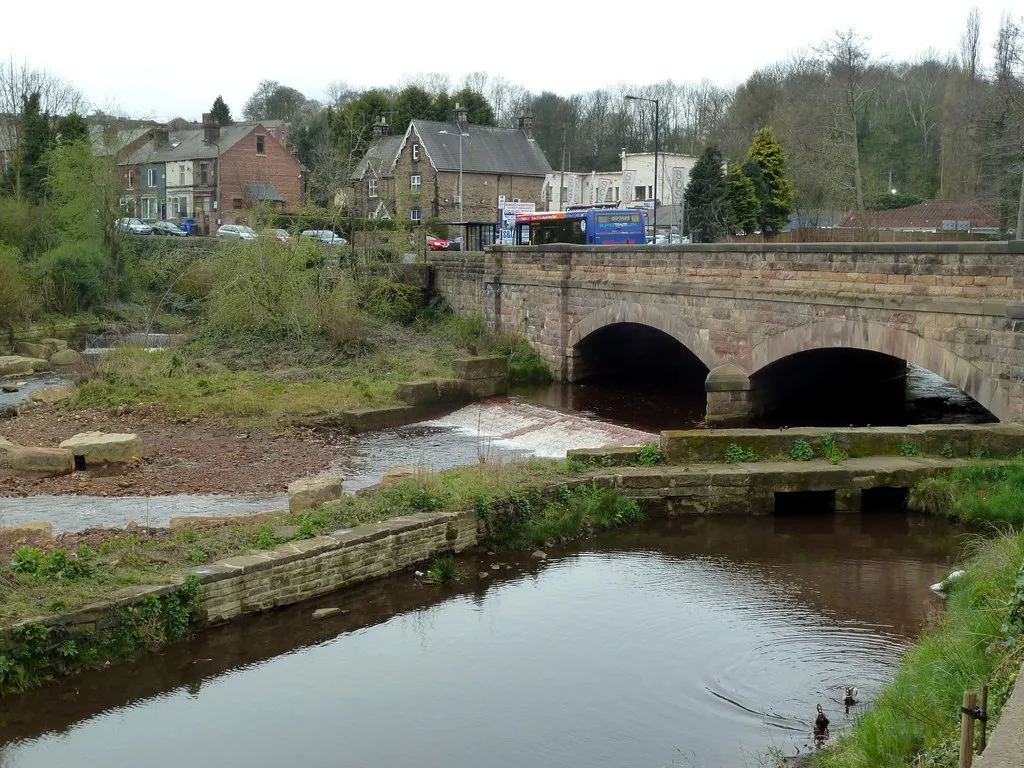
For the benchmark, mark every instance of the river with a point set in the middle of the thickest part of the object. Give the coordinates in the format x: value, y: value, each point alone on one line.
x: 696, y: 642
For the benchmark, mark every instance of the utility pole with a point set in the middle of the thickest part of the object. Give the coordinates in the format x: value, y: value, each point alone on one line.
x: 561, y: 183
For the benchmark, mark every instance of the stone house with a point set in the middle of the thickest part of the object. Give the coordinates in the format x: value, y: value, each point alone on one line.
x: 416, y: 176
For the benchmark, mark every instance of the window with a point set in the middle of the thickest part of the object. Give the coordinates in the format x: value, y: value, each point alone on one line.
x: 563, y: 193
x: 260, y: 144
x: 150, y: 210
x: 371, y: 187
x: 616, y: 198
x: 650, y: 193
x: 179, y: 206
x: 415, y: 215
x: 129, y: 178
x: 204, y: 174
x: 206, y: 205
x: 181, y: 175
x: 640, y: 193
x: 415, y: 181
x: 415, y: 153
x: 151, y: 177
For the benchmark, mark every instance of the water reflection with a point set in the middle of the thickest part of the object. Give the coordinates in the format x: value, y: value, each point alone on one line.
x: 687, y: 642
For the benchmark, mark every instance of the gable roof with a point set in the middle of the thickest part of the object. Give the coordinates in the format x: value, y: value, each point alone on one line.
x: 264, y: 192
x: 380, y: 157
x: 484, y: 149
x: 106, y: 142
x: 189, y: 144
x: 930, y: 215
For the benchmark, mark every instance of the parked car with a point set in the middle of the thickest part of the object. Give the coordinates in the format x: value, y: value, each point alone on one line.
x: 437, y: 244
x: 281, y: 235
x: 236, y: 232
x: 134, y: 227
x: 325, y: 236
x: 168, y: 228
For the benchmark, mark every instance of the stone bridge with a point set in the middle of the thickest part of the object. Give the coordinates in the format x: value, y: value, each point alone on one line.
x: 956, y: 309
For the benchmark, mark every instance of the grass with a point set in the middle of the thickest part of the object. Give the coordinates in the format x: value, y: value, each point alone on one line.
x: 978, y: 638
x: 443, y: 570
x: 32, y: 584
x: 979, y: 491
x: 735, y: 454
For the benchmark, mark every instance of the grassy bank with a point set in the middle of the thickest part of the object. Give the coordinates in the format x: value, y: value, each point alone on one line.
x: 978, y: 638
x: 988, y: 492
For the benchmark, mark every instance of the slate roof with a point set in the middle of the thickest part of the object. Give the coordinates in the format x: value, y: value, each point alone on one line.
x: 484, y: 150
x: 106, y: 143
x: 264, y: 192
x: 188, y: 144
x: 930, y: 215
x: 379, y: 157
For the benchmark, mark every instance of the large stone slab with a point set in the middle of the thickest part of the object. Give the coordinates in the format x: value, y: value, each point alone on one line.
x: 311, y: 492
x: 51, y: 395
x: 480, y: 367
x: 52, y: 461
x: 25, y: 533
x: 31, y: 349
x: 6, y: 448
x: 102, y: 448
x: 67, y: 357
x: 54, y: 345
x: 12, y: 365
x: 401, y: 472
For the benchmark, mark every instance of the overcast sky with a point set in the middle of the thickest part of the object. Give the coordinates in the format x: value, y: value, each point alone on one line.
x: 164, y: 61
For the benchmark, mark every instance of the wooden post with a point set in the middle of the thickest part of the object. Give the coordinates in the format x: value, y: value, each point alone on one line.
x: 967, y: 729
x: 984, y: 714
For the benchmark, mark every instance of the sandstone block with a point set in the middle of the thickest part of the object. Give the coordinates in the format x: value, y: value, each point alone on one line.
x: 480, y: 388
x: 54, y: 461
x: 311, y: 492
x: 323, y: 613
x: 100, y: 447
x: 54, y: 345
x: 12, y: 365
x: 30, y: 349
x: 6, y: 447
x: 66, y: 357
x: 51, y: 395
x: 480, y: 367
x: 418, y: 392
x: 399, y: 473
x: 24, y: 533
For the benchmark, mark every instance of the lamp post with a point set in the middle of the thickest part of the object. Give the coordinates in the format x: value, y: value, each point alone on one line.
x: 462, y: 215
x: 216, y: 193
x: 656, y: 127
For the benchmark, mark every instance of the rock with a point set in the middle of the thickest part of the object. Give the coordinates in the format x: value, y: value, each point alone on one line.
x: 29, y: 349
x: 313, y: 491
x: 10, y: 387
x: 496, y: 567
x: 54, y: 345
x: 483, y: 575
x: 23, y: 533
x: 53, y: 461
x: 51, y: 395
x: 6, y: 446
x: 101, y: 448
x: 401, y: 472
x: 540, y: 554
x: 12, y: 365
x: 323, y: 613
x: 67, y: 357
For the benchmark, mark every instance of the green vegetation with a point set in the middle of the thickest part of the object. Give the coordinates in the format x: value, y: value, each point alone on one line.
x: 734, y: 454
x: 707, y: 198
x: 649, y: 455
x: 832, y: 451
x: 744, y: 205
x: 801, y: 451
x: 775, y: 190
x: 524, y: 520
x: 40, y: 651
x: 979, y: 637
x: 443, y: 570
x: 978, y: 491
x: 947, y: 450
x: 910, y: 449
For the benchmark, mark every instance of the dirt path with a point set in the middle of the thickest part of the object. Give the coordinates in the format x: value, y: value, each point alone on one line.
x: 179, y: 456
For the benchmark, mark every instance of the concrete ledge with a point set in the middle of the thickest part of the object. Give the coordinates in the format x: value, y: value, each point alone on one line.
x: 1006, y: 743
x: 480, y: 367
x: 608, y: 457
x: 369, y: 419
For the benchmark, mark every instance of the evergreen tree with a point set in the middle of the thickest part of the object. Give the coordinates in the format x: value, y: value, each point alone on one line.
x: 707, y: 198
x: 221, y: 112
x: 777, y: 195
x: 35, y: 141
x: 72, y: 128
x: 743, y: 203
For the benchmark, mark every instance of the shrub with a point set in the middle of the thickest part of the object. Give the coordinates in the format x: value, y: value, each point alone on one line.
x: 387, y: 299
x: 15, y: 303
x: 73, y: 277
x: 734, y: 454
x: 947, y: 451
x: 801, y: 451
x: 650, y: 455
x: 27, y: 228
x: 831, y: 449
x: 443, y: 570
x: 909, y: 449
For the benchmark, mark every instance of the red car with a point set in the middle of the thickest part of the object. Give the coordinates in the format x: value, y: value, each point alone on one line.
x: 437, y: 244
x: 280, y: 235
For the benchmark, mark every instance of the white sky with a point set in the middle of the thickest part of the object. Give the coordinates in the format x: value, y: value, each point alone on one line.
x: 164, y: 61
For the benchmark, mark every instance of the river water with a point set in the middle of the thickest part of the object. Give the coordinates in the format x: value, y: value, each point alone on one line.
x: 684, y: 642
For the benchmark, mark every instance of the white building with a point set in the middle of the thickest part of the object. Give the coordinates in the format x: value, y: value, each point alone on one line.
x: 632, y: 186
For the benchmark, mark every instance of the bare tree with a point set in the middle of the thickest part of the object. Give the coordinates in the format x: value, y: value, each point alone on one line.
x: 970, y: 44
x: 1009, y: 79
x: 56, y: 97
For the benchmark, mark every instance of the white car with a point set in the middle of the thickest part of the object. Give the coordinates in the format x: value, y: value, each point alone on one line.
x: 325, y: 236
x: 134, y: 227
x: 235, y: 232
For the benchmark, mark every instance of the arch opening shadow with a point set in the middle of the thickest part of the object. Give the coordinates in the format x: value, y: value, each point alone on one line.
x: 638, y: 374
x: 840, y: 386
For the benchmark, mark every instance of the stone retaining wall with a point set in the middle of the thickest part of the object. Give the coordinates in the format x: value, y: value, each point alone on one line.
x: 459, y: 279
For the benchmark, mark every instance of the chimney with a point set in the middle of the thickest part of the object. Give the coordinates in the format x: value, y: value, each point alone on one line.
x: 461, y: 116
x: 380, y: 128
x: 211, y: 129
x: 526, y: 125
x: 161, y: 137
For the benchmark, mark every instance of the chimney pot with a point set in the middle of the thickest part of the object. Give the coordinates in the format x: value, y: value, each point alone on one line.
x: 526, y: 125
x: 461, y: 115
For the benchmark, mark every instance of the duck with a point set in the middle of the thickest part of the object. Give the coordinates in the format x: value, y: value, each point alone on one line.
x: 850, y: 697
x: 820, y: 726
x: 943, y: 586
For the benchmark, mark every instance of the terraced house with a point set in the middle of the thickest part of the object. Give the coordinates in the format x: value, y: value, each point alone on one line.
x: 211, y: 174
x: 415, y: 175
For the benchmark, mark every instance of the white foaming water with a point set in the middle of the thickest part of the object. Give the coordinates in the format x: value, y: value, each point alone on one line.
x: 511, y: 425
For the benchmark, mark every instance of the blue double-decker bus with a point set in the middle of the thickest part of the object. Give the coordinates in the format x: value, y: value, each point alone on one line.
x: 586, y: 226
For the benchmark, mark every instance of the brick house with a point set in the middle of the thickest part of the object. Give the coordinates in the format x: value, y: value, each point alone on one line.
x: 175, y: 174
x: 416, y: 176
x: 933, y: 216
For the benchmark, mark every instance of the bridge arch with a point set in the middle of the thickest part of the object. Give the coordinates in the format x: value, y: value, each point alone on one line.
x: 888, y: 340
x: 664, y: 319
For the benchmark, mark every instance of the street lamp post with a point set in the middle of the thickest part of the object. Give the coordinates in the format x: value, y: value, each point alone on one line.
x: 656, y: 131
x: 462, y: 215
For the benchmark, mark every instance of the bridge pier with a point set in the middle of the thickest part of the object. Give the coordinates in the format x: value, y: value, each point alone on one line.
x: 730, y: 394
